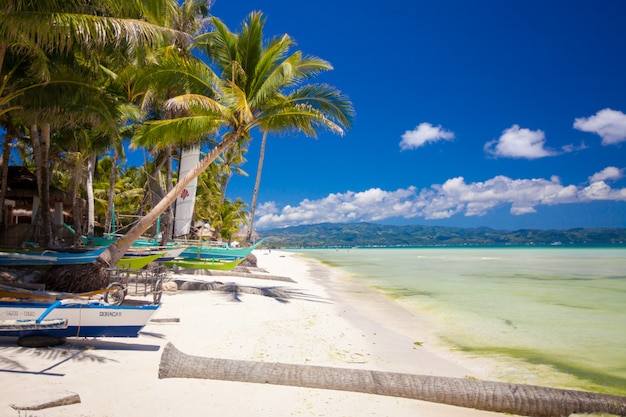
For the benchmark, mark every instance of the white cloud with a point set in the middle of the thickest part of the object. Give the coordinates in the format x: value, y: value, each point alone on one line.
x: 609, y: 124
x: 517, y: 142
x: 422, y: 134
x: 441, y: 201
x: 608, y: 173
x: 602, y: 191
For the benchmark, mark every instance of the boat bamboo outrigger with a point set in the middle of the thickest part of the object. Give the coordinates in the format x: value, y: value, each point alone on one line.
x: 74, y: 317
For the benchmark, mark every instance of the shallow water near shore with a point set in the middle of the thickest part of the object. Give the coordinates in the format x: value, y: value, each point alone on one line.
x: 547, y: 315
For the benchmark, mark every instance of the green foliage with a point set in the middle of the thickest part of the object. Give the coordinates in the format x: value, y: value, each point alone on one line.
x: 232, y: 216
x: 368, y: 234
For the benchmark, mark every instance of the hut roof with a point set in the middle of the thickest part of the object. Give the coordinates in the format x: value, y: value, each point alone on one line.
x: 22, y: 187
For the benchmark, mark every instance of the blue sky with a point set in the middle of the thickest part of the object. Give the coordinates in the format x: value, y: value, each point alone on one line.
x: 506, y: 114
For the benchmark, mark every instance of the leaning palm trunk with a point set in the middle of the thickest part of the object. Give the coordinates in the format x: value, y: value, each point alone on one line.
x: 117, y: 249
x: 500, y: 397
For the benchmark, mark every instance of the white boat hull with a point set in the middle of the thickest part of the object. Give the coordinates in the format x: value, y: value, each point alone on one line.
x: 83, y: 320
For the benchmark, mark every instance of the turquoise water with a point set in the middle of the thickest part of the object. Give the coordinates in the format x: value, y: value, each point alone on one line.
x: 550, y: 315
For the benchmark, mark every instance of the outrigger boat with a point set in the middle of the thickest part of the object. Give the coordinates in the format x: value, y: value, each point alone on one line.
x: 74, y: 317
x: 138, y: 261
x: 25, y: 312
x: 167, y: 253
x: 217, y: 264
x: 217, y: 252
x: 50, y: 257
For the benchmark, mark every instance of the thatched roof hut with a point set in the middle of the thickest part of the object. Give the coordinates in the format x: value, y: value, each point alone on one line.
x: 21, y: 198
x: 22, y: 188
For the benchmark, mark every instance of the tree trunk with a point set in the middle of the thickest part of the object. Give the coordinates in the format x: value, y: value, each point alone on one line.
x: 3, y: 50
x: 76, y: 207
x: 109, y: 225
x: 155, y: 191
x: 527, y: 400
x: 6, y: 152
x: 168, y: 217
x: 117, y: 249
x: 41, y: 147
x: 257, y: 184
x: 91, y: 218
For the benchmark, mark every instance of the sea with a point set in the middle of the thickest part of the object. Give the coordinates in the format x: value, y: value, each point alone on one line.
x: 553, y: 315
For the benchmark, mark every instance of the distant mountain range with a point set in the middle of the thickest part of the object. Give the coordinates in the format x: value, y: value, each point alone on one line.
x: 370, y: 234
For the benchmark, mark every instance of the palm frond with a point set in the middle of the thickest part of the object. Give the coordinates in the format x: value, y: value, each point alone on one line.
x: 60, y: 32
x: 221, y: 44
x: 325, y: 98
x: 250, y: 42
x: 195, y: 103
x: 238, y: 100
x: 299, y: 119
x: 273, y: 71
x: 156, y: 134
x: 179, y: 75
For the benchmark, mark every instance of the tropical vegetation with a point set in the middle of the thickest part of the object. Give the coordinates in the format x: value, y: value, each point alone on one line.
x: 80, y: 79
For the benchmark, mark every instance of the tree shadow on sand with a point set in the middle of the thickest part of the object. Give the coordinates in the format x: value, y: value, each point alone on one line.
x: 280, y: 294
x: 55, y: 356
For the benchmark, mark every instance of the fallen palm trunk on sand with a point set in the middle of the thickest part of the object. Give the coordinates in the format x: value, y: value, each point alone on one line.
x: 527, y: 400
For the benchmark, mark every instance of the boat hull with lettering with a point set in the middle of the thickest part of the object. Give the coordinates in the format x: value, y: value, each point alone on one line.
x: 75, y: 318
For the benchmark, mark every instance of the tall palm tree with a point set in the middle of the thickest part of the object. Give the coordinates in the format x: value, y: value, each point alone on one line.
x: 189, y: 17
x: 40, y: 32
x: 66, y: 104
x: 279, y: 105
x: 33, y: 31
x: 251, y: 91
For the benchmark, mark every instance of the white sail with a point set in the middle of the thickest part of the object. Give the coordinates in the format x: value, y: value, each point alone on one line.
x: 187, y: 198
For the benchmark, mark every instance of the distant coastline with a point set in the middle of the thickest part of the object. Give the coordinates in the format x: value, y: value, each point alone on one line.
x: 346, y: 235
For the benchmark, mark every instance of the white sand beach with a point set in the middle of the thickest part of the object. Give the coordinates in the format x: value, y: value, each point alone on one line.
x: 327, y: 321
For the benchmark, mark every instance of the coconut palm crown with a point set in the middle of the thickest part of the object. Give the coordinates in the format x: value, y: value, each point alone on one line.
x: 254, y: 85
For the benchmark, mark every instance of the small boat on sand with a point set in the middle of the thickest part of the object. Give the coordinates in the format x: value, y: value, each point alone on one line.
x: 217, y: 264
x: 218, y: 252
x: 167, y: 252
x: 77, y: 317
x: 138, y: 261
x: 50, y: 257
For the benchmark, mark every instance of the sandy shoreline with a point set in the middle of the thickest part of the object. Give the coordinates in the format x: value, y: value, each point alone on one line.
x: 326, y: 321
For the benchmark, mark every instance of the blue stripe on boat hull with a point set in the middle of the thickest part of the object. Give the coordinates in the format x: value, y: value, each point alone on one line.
x: 90, y: 320
x: 83, y: 331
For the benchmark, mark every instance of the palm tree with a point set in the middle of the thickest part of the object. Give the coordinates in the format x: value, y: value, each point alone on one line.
x: 251, y: 92
x: 232, y: 216
x: 32, y: 32
x: 41, y: 32
x: 518, y: 399
x: 36, y: 28
x: 279, y: 106
x: 66, y: 104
